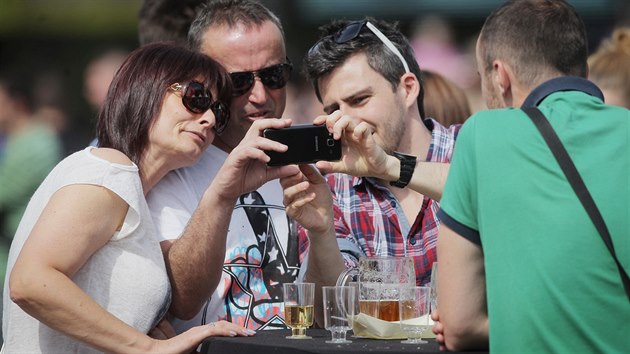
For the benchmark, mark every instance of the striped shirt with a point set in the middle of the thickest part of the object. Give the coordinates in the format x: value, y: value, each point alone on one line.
x: 369, y: 220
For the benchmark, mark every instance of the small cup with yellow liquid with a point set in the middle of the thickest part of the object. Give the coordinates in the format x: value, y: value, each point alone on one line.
x: 298, y: 308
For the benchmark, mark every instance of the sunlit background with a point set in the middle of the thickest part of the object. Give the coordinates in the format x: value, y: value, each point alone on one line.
x: 51, y: 41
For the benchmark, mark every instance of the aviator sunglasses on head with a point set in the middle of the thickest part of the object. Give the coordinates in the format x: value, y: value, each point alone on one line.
x: 273, y: 77
x: 352, y: 30
x: 197, y: 100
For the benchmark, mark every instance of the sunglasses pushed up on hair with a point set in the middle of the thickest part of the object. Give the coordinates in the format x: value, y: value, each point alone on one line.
x: 352, y: 31
x: 197, y: 99
x: 273, y: 77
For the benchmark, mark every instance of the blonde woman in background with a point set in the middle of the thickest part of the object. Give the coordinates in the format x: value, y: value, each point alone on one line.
x: 444, y: 101
x: 610, y: 68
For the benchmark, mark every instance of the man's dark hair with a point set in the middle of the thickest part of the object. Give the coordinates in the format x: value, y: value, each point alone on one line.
x: 327, y: 55
x: 136, y: 94
x: 166, y: 20
x: 538, y: 38
x: 230, y: 13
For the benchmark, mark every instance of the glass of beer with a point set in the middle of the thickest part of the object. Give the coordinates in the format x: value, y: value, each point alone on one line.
x: 298, y: 308
x: 388, y: 308
x: 369, y: 298
x: 391, y: 273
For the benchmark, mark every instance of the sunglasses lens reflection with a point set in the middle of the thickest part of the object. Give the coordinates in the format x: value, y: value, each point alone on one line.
x: 276, y: 76
x: 273, y: 77
x: 196, y: 98
x: 347, y: 33
x: 350, y: 32
x: 241, y: 82
x: 221, y: 115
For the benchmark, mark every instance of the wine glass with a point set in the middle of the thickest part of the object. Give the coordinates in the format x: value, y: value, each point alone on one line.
x: 338, y: 311
x: 414, y: 312
x: 433, y: 286
x: 298, y: 308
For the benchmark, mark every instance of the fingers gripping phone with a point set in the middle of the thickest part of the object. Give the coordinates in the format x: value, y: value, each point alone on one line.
x: 307, y: 144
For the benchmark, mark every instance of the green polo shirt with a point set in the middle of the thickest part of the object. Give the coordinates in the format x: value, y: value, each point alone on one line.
x: 552, y: 285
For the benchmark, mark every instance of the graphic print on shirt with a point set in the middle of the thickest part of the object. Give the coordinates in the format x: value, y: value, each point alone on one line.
x: 256, y: 270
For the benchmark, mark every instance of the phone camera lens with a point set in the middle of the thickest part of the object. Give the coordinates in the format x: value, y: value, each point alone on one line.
x: 330, y: 142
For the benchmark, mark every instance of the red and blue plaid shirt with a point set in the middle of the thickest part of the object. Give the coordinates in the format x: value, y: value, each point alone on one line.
x: 370, y: 222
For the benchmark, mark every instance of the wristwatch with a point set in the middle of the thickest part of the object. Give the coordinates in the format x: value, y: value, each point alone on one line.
x: 407, y: 165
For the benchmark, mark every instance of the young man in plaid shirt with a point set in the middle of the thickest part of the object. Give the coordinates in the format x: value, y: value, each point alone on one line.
x: 368, y: 80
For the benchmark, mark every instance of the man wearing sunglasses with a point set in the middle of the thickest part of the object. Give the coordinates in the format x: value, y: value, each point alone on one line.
x: 367, y: 78
x: 262, y: 250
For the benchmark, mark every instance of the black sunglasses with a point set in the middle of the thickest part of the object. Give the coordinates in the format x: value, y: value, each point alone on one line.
x: 352, y: 31
x: 273, y: 77
x: 198, y: 100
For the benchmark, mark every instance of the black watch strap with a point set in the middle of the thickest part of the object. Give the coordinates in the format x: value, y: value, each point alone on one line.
x: 407, y: 166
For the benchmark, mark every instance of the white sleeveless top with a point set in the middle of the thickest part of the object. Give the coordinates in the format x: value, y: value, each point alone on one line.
x: 126, y: 276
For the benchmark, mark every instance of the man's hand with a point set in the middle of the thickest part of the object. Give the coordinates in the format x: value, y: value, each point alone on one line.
x: 246, y: 168
x: 438, y: 329
x: 361, y: 155
x: 308, y: 199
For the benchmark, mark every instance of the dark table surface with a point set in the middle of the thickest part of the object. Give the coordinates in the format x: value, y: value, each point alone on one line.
x: 274, y: 341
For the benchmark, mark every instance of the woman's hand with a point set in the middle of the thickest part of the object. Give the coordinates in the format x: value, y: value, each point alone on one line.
x: 191, y: 339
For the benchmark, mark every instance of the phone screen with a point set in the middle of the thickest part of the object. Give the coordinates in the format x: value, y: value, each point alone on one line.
x: 306, y: 144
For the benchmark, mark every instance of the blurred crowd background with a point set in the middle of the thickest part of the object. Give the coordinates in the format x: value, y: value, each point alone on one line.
x: 67, y: 50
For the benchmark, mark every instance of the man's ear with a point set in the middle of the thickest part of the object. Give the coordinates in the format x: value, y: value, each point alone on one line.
x: 411, y: 85
x: 588, y: 70
x: 503, y: 77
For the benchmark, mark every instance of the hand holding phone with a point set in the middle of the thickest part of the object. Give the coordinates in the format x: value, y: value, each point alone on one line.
x: 306, y: 144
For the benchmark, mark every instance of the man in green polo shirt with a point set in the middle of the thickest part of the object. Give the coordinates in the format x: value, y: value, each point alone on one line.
x: 522, y: 266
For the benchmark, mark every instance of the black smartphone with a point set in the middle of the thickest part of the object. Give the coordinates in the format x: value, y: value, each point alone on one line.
x: 307, y: 144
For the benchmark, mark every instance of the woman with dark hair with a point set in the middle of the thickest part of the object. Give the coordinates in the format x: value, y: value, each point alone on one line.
x: 86, y: 271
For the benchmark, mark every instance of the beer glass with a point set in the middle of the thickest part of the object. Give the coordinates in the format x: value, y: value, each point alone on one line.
x: 298, y: 308
x: 388, y: 306
x: 379, y: 281
x: 369, y: 298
